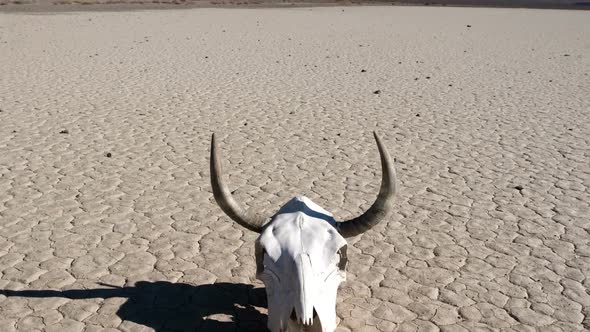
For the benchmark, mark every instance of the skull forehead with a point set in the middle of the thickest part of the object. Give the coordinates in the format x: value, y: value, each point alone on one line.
x: 302, y: 227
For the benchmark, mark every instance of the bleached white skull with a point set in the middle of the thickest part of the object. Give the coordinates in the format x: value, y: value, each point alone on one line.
x: 301, y: 250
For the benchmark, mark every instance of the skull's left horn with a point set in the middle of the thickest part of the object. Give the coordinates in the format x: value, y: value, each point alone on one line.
x: 383, y: 204
x: 251, y: 221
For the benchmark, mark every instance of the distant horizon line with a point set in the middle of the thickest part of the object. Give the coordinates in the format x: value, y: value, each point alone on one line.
x: 123, y: 5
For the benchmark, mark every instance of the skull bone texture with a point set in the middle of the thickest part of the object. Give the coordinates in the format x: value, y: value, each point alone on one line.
x: 301, y: 251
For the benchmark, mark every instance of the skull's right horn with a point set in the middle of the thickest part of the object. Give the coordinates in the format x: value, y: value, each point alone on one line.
x: 383, y: 204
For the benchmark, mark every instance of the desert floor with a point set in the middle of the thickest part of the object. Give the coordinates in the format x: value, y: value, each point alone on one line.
x: 107, y: 218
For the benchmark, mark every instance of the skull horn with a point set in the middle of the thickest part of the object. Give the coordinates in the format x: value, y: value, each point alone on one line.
x: 383, y: 204
x: 226, y: 202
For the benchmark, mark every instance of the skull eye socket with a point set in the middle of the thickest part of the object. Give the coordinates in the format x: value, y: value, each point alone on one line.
x: 343, y: 258
x: 259, y: 253
x: 264, y: 268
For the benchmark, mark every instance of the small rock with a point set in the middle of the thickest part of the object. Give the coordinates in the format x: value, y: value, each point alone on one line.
x: 65, y: 131
x: 377, y: 92
x: 109, y: 155
x: 245, y: 124
x: 450, y: 85
x: 566, y: 55
x: 469, y: 26
x: 427, y: 77
x: 363, y: 71
x: 518, y: 187
x: 418, y: 115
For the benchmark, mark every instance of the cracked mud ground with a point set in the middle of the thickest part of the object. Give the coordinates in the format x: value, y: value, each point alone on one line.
x: 107, y: 220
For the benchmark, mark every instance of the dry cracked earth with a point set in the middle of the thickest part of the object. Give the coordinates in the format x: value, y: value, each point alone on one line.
x: 107, y: 221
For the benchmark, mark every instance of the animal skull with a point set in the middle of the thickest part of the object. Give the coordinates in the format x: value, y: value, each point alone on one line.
x: 301, y: 250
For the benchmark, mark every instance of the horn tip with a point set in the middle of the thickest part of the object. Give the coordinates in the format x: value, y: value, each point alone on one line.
x: 377, y: 139
x: 376, y: 135
x: 213, y: 142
